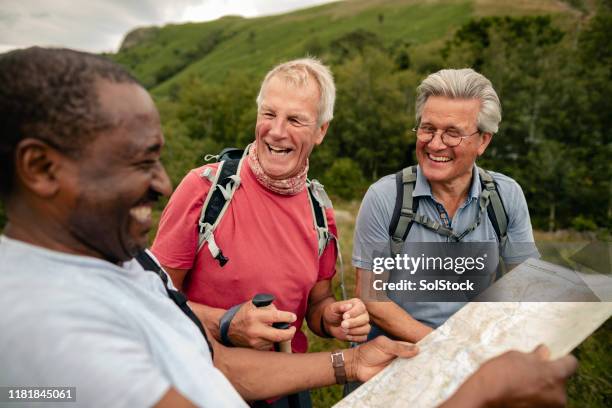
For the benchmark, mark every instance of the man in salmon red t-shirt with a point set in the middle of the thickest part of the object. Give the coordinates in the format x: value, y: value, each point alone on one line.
x: 267, y: 233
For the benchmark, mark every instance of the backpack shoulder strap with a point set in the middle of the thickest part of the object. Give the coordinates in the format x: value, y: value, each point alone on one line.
x: 224, y: 184
x: 148, y: 263
x: 495, y: 210
x: 318, y: 202
x: 405, y: 208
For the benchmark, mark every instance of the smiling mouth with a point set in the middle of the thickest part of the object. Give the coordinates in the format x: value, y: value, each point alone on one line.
x: 276, y: 150
x: 141, y: 213
x: 439, y: 159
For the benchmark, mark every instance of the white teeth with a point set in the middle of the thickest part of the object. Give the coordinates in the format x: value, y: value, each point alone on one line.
x: 141, y: 213
x: 278, y: 150
x: 440, y: 159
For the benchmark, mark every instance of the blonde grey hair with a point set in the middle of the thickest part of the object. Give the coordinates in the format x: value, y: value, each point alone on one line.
x: 463, y: 84
x: 298, y: 72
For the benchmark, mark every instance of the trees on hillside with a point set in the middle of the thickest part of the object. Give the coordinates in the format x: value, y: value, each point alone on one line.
x: 554, y: 138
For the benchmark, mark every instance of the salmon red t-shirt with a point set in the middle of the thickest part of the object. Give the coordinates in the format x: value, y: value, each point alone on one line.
x: 269, y: 239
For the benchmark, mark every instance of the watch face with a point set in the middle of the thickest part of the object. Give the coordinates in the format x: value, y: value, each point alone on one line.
x: 337, y: 358
x: 338, y: 364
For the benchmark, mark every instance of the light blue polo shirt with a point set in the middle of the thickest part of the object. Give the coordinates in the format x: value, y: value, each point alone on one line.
x: 372, y: 230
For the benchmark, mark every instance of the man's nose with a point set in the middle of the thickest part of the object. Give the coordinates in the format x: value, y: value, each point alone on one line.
x: 278, y: 127
x: 436, y: 141
x: 161, y: 182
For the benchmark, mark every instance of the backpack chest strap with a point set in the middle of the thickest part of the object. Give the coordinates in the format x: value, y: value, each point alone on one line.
x: 406, y: 206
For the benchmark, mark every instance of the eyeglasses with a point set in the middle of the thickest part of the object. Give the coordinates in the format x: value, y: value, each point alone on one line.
x: 451, y: 137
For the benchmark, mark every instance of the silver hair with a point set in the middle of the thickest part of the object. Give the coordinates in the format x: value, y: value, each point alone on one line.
x: 298, y: 72
x: 463, y: 84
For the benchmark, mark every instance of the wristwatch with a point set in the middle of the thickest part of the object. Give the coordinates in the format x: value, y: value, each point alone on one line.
x: 337, y: 359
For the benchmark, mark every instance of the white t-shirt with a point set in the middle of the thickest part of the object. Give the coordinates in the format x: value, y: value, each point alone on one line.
x: 110, y: 331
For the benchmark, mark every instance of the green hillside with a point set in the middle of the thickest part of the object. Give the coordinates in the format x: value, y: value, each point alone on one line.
x: 213, y: 49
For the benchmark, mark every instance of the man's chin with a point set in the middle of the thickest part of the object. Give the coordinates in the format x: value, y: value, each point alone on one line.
x: 277, y: 172
x: 133, y: 246
x: 434, y: 174
x: 138, y: 246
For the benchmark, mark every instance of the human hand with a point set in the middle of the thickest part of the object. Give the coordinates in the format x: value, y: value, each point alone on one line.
x: 366, y: 360
x: 527, y: 379
x: 252, y: 327
x: 347, y: 320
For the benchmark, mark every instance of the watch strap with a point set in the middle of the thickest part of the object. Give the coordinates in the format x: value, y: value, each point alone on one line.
x: 324, y: 331
x: 224, y: 324
x: 337, y: 359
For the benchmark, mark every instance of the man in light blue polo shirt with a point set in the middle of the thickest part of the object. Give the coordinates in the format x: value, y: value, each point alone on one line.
x: 457, y: 113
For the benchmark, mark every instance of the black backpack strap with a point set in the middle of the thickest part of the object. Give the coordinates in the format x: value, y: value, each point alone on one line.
x: 495, y: 210
x: 217, y: 199
x: 405, y: 208
x: 225, y: 182
x: 319, y: 214
x: 149, y: 264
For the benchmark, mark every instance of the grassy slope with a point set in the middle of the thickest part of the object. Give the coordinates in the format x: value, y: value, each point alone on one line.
x: 212, y: 50
x: 264, y: 42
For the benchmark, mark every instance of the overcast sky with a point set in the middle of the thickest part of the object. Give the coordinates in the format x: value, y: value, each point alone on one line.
x: 100, y: 25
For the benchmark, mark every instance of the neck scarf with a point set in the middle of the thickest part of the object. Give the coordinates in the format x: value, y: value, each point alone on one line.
x: 288, y: 186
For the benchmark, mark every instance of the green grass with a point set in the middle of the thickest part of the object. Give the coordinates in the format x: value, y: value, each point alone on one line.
x: 262, y: 43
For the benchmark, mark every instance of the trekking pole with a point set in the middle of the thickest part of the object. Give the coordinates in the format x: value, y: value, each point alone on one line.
x: 263, y: 300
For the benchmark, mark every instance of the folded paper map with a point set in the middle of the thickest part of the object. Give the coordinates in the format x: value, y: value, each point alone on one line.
x: 482, y: 330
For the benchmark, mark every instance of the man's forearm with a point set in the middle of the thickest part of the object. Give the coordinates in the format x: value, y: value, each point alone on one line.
x: 209, y: 316
x: 396, y: 322
x: 257, y: 376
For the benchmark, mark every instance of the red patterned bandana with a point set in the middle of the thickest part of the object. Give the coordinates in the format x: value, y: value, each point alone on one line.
x: 288, y: 186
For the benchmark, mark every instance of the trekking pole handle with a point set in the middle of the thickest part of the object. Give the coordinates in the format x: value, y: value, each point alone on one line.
x: 263, y: 300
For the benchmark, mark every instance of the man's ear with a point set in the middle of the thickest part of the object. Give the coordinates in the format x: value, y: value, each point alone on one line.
x: 36, y: 167
x: 322, y: 131
x: 484, y: 142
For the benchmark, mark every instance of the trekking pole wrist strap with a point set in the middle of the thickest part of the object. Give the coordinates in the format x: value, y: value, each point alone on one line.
x: 224, y: 324
x: 324, y: 331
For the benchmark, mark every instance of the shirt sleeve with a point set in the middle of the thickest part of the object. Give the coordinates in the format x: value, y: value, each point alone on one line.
x: 520, y: 244
x: 88, y: 348
x: 176, y: 242
x: 371, y: 237
x: 327, y: 261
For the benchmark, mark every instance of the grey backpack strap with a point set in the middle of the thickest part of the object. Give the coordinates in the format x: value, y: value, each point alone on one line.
x: 405, y: 208
x: 318, y: 202
x: 496, y: 210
